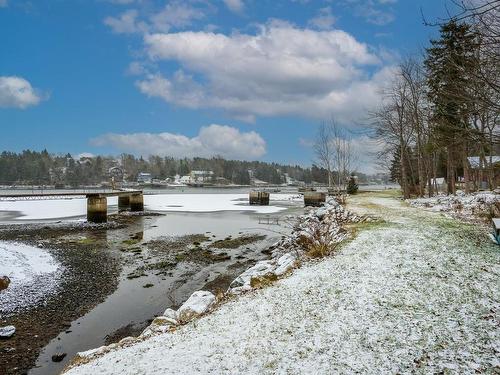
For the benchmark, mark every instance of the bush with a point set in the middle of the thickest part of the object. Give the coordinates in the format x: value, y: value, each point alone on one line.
x: 352, y: 186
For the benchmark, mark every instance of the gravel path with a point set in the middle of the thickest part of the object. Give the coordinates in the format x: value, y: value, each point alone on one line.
x: 420, y: 294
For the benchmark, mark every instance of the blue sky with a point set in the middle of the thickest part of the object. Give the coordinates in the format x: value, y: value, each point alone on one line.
x: 246, y: 79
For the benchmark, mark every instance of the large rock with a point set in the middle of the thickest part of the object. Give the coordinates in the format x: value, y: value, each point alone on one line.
x: 4, y: 282
x: 199, y: 303
x: 284, y: 264
x: 261, y: 268
x: 160, y: 324
x: 7, y: 332
x: 171, y: 313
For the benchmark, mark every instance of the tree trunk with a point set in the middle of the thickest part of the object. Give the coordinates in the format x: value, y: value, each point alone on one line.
x: 404, y: 179
x: 466, y: 169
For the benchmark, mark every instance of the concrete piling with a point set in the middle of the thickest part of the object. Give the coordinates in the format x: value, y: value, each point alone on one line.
x: 136, y: 202
x: 314, y: 198
x: 123, y: 202
x: 259, y: 198
x: 97, y: 209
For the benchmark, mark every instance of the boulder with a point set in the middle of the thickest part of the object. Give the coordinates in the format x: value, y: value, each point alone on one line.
x: 198, y: 303
x: 171, y: 313
x: 284, y: 264
x: 164, y: 321
x: 7, y: 332
x: 261, y: 268
x: 4, y: 282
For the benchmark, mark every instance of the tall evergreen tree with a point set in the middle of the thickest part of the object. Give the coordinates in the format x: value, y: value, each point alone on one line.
x: 450, y: 61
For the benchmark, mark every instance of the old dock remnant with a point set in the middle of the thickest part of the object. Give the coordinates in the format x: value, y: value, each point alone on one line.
x: 123, y: 203
x: 314, y: 198
x: 259, y: 198
x: 136, y: 202
x: 97, y: 208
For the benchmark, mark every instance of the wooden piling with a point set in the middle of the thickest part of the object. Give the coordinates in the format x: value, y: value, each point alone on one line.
x: 123, y: 202
x: 259, y: 198
x: 314, y: 198
x: 136, y: 202
x: 97, y: 209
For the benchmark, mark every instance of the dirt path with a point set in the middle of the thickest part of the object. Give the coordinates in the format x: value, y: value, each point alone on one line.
x: 417, y: 294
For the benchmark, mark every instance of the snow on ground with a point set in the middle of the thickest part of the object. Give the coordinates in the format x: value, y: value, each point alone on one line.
x: 33, y: 272
x: 462, y: 205
x: 415, y: 297
x: 67, y: 208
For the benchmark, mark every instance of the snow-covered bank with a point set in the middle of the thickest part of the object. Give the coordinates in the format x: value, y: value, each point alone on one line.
x: 392, y: 301
x: 67, y: 208
x: 466, y: 206
x: 33, y: 273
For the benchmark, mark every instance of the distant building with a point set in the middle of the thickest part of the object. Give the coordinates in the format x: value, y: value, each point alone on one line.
x: 201, y: 176
x: 289, y: 181
x: 485, y: 172
x: 144, y: 178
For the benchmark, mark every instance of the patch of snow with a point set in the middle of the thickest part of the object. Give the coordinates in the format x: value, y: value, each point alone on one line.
x: 33, y: 272
x: 466, y: 206
x: 48, y: 209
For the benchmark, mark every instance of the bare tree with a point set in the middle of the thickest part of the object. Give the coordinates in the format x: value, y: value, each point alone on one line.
x: 334, y: 152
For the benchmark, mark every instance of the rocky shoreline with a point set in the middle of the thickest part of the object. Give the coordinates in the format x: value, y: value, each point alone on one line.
x: 96, y: 258
x: 313, y: 233
x: 90, y: 275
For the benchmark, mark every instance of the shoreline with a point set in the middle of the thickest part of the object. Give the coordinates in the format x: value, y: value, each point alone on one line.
x: 102, y: 275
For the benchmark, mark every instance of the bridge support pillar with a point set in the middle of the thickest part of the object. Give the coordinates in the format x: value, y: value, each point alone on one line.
x: 136, y: 202
x: 314, y: 198
x: 97, y: 209
x: 123, y: 203
x: 259, y: 198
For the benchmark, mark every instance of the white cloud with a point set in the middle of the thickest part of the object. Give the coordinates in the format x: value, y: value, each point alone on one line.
x: 375, y: 12
x: 126, y: 23
x: 365, y: 152
x: 282, y: 70
x: 3, y: 3
x: 175, y: 14
x: 236, y: 6
x: 211, y: 140
x: 324, y: 20
x: 16, y: 92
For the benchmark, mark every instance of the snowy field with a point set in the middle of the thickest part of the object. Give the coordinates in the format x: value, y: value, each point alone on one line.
x: 69, y: 208
x: 415, y: 297
x: 33, y: 272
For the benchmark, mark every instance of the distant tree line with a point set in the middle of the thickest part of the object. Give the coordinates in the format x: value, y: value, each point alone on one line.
x: 43, y: 168
x: 445, y: 107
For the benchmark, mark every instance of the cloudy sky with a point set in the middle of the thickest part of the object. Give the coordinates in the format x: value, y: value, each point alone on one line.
x: 245, y: 79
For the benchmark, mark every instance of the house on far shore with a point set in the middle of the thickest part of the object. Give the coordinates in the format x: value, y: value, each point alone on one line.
x: 144, y: 178
x: 201, y: 176
x: 485, y: 172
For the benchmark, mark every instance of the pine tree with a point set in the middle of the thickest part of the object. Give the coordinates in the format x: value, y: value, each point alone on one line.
x: 352, y: 186
x: 449, y: 63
